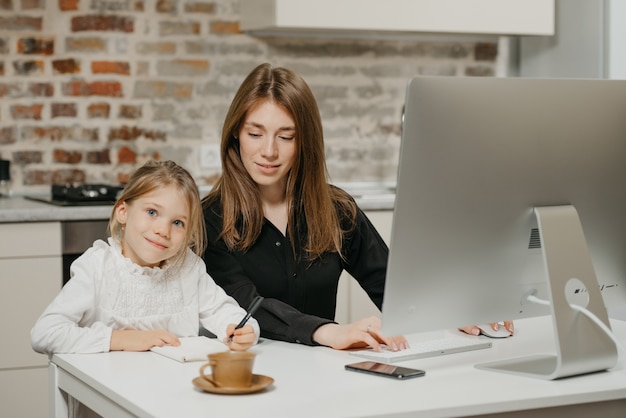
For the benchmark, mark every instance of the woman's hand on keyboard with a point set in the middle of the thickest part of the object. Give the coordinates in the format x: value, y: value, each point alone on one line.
x: 363, y: 333
x: 474, y: 330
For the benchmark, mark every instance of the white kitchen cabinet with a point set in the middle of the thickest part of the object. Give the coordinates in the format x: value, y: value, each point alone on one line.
x: 24, y: 392
x: 352, y: 301
x: 490, y: 17
x: 30, y: 266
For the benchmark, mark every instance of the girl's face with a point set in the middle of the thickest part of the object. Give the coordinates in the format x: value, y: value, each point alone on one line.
x: 155, y: 226
x: 267, y: 145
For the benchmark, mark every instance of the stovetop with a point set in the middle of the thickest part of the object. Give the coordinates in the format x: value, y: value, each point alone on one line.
x: 80, y: 195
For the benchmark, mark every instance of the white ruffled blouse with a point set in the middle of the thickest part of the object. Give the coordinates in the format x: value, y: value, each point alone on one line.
x: 108, y: 291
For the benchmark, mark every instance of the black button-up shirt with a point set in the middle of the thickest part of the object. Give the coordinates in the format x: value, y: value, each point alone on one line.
x: 299, y: 295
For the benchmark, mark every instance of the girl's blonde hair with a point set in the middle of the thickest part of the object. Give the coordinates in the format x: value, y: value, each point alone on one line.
x: 156, y: 174
x: 321, y: 207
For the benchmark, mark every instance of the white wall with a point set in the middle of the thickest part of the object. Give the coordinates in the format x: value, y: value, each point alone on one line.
x: 589, y: 42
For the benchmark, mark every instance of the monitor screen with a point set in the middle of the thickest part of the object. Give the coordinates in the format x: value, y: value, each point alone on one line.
x: 478, y: 157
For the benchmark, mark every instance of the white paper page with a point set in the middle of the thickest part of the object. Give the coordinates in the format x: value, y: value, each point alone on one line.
x: 191, y: 349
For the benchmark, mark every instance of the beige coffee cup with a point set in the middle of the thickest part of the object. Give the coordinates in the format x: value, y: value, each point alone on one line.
x: 231, y: 369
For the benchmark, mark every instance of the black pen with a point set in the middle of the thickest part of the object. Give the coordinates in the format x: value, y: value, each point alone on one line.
x: 251, y: 310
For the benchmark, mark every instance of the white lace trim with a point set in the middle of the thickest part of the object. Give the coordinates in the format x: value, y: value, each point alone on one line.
x: 144, y: 291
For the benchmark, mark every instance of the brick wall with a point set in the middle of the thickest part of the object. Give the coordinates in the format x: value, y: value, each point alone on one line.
x: 90, y: 89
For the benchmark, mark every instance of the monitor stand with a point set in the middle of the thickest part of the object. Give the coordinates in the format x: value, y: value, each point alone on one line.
x: 581, y: 345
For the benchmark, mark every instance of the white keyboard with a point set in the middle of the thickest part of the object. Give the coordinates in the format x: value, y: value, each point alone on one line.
x: 429, y: 348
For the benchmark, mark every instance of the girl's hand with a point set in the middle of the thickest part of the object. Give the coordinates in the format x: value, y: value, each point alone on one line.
x: 243, y: 337
x: 135, y: 340
x: 363, y: 333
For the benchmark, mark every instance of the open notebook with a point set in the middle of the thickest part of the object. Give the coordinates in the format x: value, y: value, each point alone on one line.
x: 191, y: 349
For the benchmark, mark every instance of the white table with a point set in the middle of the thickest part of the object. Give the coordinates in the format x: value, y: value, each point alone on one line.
x: 311, y: 382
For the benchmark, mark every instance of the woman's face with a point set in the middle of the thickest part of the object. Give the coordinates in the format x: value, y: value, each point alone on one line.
x: 267, y: 145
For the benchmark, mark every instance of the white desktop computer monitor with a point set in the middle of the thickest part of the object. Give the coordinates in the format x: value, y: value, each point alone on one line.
x: 509, y: 187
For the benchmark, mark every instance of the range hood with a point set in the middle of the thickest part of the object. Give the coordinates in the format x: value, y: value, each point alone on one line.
x: 367, y: 17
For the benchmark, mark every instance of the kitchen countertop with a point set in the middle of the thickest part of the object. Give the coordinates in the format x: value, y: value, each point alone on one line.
x: 19, y: 209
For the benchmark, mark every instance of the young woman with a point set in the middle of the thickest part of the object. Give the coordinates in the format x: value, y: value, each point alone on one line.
x: 147, y: 285
x: 277, y: 228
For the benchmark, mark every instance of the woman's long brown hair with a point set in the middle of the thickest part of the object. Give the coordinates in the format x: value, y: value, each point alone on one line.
x: 323, y: 208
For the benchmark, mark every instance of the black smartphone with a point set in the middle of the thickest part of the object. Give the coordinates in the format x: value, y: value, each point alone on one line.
x: 387, y: 370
